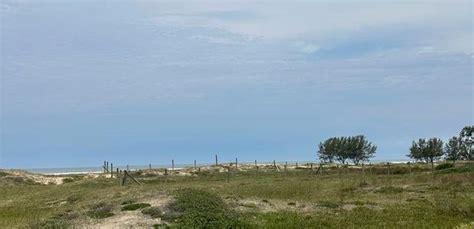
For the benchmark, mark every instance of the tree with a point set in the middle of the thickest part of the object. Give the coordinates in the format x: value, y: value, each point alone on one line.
x: 342, y: 149
x: 467, y: 141
x: 326, y: 152
x: 427, y: 150
x: 360, y: 149
x: 453, y: 149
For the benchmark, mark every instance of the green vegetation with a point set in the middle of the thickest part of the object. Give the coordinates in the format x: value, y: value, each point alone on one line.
x: 100, y: 210
x: 355, y: 148
x: 201, y: 209
x: 135, y: 206
x: 337, y: 198
x: 154, y: 212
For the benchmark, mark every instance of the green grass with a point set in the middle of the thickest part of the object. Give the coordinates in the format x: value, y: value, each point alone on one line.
x: 135, y: 206
x: 343, y: 198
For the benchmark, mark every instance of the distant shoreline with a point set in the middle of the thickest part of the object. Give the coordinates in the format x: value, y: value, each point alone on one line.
x: 98, y: 170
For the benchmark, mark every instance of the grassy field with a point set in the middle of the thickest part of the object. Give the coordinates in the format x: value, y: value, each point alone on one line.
x: 298, y: 198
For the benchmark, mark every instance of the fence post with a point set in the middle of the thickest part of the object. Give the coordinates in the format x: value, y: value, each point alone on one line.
x: 107, y: 167
x: 228, y: 173
x: 286, y: 164
x: 274, y: 164
x: 111, y: 170
x: 149, y: 166
x: 172, y: 165
x: 104, y: 168
x: 194, y: 164
x: 236, y: 163
x: 128, y: 168
x: 216, y: 161
x: 255, y: 163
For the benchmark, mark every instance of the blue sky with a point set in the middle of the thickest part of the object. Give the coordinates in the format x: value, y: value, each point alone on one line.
x: 140, y: 81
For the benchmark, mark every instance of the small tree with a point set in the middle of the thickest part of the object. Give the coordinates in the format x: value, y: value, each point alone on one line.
x: 467, y: 142
x: 342, y: 149
x: 326, y: 150
x: 453, y: 149
x: 427, y: 151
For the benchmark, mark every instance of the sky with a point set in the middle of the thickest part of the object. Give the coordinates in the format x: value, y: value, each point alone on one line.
x: 138, y: 82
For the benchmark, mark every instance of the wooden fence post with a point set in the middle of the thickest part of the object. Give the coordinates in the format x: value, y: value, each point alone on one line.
x: 107, y: 167
x: 255, y: 163
x: 388, y: 164
x: 236, y: 163
x: 286, y: 164
x: 128, y: 168
x: 105, y: 171
x: 172, y: 165
x: 194, y: 164
x: 111, y: 170
x: 216, y: 161
x: 274, y: 164
x: 149, y: 166
x: 228, y: 173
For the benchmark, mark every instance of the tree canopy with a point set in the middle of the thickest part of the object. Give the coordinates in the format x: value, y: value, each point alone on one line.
x: 355, y: 148
x: 427, y: 150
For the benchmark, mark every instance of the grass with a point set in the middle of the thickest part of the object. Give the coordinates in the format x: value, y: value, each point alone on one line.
x: 135, y: 206
x: 343, y: 198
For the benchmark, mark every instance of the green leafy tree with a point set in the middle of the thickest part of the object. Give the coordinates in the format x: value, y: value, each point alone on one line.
x: 467, y: 142
x: 427, y: 150
x: 453, y: 149
x: 343, y: 149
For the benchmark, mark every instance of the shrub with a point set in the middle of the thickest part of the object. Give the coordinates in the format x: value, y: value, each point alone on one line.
x: 154, y: 212
x: 100, y: 210
x: 444, y: 166
x: 135, y: 206
x: 201, y: 209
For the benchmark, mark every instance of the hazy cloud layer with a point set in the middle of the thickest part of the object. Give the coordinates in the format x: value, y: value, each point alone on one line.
x: 172, y: 79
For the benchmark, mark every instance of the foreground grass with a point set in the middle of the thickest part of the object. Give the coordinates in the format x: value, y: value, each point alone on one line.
x: 268, y: 199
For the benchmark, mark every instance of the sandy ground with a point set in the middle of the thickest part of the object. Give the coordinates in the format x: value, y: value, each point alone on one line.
x: 131, y: 219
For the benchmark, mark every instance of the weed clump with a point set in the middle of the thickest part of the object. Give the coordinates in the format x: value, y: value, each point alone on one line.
x: 135, y: 206
x: 200, y: 209
x: 390, y: 190
x: 154, y: 212
x: 100, y: 211
x: 444, y: 166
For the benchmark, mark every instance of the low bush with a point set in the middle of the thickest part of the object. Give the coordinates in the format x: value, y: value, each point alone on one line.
x: 154, y: 212
x: 201, y: 209
x: 100, y: 211
x: 444, y: 166
x: 135, y: 206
